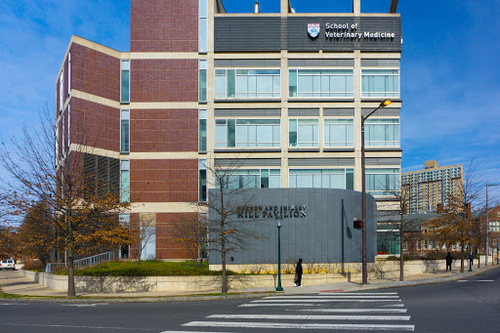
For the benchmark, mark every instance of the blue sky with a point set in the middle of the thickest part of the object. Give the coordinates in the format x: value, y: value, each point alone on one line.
x: 449, y: 71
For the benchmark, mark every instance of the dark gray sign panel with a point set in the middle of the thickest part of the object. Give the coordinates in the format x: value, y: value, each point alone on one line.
x: 316, y: 225
x: 254, y: 34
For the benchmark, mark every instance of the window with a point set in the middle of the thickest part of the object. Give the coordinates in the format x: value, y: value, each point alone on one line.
x: 253, y: 178
x: 202, y: 94
x: 125, y: 131
x: 125, y: 181
x: 202, y: 130
x: 380, y: 83
x: 303, y: 133
x: 247, y: 83
x: 321, y: 178
x: 125, y: 81
x: 382, y: 132
x: 338, y: 133
x: 202, y: 29
x: 69, y: 73
x: 321, y: 83
x: 61, y: 91
x: 202, y: 180
x: 247, y: 133
x: 380, y: 182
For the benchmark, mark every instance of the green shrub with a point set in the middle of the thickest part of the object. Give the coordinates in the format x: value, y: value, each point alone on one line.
x: 146, y: 268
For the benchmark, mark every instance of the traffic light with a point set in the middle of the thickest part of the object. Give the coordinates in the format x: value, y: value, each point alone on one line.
x: 357, y: 224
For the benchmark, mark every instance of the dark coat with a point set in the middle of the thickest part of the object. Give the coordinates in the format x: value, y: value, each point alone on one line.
x: 449, y: 259
x: 298, y: 269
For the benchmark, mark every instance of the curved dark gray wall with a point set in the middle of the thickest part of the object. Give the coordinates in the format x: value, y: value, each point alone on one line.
x: 324, y: 235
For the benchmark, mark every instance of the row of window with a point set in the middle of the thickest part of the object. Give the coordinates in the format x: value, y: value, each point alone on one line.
x: 303, y: 83
x: 266, y: 133
x: 379, y: 182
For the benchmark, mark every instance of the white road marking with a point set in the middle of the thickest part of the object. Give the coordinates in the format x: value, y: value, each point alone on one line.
x: 352, y: 310
x: 485, y: 280
x: 324, y: 300
x: 307, y: 317
x: 392, y: 305
x: 277, y: 304
x: 327, y: 293
x: 331, y: 297
x: 84, y: 305
x: 134, y: 329
x: 8, y: 304
x: 191, y: 332
x: 374, y: 327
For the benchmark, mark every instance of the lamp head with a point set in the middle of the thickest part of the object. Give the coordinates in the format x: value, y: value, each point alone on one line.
x: 385, y: 103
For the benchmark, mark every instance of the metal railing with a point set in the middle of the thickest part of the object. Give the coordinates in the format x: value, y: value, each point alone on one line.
x: 81, y: 263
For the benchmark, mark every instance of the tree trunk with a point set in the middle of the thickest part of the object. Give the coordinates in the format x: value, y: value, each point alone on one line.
x: 224, y: 272
x: 462, y: 260
x: 71, y: 274
x: 401, y: 258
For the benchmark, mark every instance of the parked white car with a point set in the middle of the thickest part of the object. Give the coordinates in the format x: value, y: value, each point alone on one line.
x: 8, y: 264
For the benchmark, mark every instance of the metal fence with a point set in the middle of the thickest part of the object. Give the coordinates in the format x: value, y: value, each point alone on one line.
x: 81, y: 263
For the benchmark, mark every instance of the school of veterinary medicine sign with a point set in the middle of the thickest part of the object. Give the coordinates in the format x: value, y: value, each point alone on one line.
x: 308, y: 33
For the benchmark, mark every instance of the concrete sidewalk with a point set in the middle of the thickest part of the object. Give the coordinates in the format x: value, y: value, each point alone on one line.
x: 12, y: 282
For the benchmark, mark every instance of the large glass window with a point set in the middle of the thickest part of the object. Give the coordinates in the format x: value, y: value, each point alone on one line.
x: 125, y: 81
x: 202, y: 180
x: 125, y: 181
x: 303, y: 133
x: 125, y: 131
x: 250, y: 178
x: 321, y: 83
x: 382, y: 132
x: 247, y: 83
x: 380, y: 83
x: 382, y: 182
x: 202, y: 94
x: 247, y: 133
x: 321, y: 178
x: 202, y: 130
x: 202, y: 29
x: 338, y: 133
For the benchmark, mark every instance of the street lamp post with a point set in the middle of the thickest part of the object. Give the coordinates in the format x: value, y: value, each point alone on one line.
x: 364, y: 270
x: 279, y: 287
x: 487, y: 222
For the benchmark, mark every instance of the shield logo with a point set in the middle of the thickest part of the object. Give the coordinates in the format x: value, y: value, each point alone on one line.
x: 313, y: 29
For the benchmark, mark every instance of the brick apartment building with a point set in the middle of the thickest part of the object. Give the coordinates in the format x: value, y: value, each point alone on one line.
x: 282, y: 94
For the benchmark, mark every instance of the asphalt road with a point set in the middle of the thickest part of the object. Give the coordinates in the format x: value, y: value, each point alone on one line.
x: 459, y: 306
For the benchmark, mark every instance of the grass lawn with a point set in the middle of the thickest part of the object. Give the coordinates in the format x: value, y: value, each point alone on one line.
x: 146, y: 268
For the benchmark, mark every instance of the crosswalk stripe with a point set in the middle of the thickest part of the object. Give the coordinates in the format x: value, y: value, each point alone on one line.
x: 191, y: 332
x: 334, y: 297
x: 378, y: 327
x: 307, y: 317
x: 324, y: 300
x: 392, y: 305
x: 353, y: 310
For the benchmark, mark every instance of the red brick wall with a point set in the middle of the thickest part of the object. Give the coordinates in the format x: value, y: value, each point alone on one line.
x: 164, y: 80
x: 164, y: 180
x: 95, y: 125
x: 166, y: 231
x: 95, y: 73
x: 164, y: 26
x: 164, y: 130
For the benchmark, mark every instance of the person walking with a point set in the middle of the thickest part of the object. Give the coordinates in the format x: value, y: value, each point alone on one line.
x: 298, y: 274
x: 449, y: 260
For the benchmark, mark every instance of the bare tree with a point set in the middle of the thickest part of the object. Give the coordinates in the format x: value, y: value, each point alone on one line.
x: 227, y: 199
x: 457, y: 225
x: 146, y: 232
x: 43, y: 165
x: 191, y: 233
